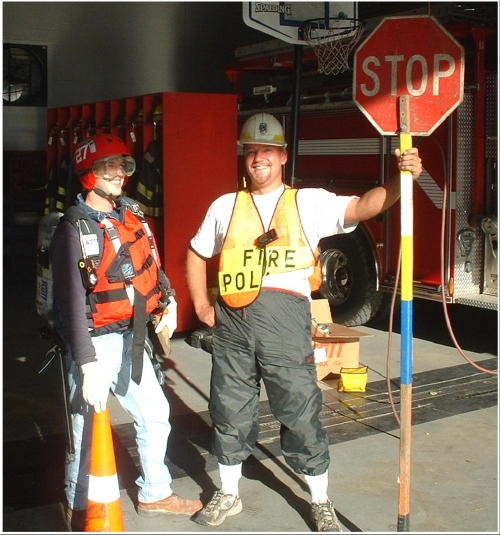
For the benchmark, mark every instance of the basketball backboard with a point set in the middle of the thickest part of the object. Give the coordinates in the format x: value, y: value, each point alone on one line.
x: 284, y: 19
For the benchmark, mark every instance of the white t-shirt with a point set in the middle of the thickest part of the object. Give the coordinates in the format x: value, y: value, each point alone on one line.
x: 321, y: 213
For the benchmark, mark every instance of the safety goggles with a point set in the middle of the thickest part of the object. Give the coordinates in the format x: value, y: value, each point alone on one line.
x: 109, y: 167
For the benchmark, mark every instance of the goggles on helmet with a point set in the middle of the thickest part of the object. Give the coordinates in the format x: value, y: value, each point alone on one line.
x: 110, y: 166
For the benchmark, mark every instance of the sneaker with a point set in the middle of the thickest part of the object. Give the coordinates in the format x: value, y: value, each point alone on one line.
x: 324, y: 517
x: 216, y: 510
x: 173, y: 505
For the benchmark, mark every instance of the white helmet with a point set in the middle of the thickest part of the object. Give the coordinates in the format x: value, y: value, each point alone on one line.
x: 262, y: 129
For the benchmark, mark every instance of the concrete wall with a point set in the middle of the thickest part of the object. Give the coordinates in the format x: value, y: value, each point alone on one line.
x: 104, y: 50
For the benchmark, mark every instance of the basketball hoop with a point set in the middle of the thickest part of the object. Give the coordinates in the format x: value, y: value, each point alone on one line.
x: 332, y: 40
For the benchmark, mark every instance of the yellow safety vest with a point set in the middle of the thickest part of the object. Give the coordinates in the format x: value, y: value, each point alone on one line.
x: 243, y: 263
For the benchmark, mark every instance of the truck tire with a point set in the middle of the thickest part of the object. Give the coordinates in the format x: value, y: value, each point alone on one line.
x: 349, y: 279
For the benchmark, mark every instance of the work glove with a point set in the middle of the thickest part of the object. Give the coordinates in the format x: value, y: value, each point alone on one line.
x: 96, y: 385
x: 168, y: 319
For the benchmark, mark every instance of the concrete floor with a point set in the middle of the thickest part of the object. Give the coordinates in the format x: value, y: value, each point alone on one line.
x: 454, y: 435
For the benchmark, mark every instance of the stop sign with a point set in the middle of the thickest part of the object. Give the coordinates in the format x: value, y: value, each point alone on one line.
x: 413, y: 57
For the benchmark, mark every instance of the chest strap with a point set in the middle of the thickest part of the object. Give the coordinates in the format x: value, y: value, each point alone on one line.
x: 139, y: 303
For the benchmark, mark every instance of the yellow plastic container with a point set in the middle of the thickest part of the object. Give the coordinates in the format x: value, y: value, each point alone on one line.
x: 353, y: 379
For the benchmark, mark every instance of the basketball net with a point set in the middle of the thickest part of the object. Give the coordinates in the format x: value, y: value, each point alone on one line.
x: 332, y: 45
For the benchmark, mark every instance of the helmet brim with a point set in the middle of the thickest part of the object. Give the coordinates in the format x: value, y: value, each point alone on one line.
x: 242, y: 143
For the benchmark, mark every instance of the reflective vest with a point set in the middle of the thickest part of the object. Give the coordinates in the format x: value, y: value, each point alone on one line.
x: 126, y: 268
x: 244, y: 262
x: 122, y: 273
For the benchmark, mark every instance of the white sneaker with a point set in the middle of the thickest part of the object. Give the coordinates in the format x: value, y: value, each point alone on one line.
x: 324, y: 517
x: 216, y: 510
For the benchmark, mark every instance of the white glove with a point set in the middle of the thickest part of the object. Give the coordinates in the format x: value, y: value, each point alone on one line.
x: 168, y: 318
x: 95, y: 386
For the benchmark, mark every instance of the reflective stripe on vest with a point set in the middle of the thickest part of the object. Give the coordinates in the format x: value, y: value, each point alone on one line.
x: 112, y: 302
x: 243, y: 264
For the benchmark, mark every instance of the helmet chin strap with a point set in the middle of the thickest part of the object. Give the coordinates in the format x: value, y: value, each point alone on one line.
x: 115, y: 199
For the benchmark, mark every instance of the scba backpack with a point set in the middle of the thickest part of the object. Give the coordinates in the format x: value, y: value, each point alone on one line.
x: 44, y: 299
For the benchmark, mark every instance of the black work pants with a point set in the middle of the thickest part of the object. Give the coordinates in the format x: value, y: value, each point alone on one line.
x: 270, y: 340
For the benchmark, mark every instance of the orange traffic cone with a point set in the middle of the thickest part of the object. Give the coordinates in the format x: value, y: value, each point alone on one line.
x: 104, y: 509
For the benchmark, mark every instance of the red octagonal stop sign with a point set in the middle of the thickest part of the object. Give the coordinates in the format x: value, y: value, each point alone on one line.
x: 414, y: 57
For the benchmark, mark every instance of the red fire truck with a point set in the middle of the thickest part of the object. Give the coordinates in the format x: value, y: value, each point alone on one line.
x: 455, y: 200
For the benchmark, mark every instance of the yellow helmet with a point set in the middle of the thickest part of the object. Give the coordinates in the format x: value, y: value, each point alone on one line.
x: 262, y: 129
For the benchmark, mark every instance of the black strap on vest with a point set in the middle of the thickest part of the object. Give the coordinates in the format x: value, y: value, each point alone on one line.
x: 139, y: 330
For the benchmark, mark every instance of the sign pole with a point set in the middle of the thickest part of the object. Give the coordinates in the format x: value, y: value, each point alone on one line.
x: 431, y: 71
x: 405, y: 141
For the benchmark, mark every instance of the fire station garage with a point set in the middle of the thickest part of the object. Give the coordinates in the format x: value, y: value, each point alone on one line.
x: 404, y: 336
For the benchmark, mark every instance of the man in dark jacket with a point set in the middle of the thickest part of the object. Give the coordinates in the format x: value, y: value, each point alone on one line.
x: 108, y: 283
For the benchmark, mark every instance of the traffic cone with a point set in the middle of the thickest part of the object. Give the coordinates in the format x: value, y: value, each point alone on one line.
x: 104, y: 508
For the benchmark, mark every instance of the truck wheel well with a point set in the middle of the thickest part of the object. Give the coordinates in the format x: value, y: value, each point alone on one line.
x: 349, y: 277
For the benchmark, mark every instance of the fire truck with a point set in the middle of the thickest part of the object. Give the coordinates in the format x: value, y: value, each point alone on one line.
x: 336, y: 148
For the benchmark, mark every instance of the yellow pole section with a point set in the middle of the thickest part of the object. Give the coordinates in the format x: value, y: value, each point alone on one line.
x: 405, y: 141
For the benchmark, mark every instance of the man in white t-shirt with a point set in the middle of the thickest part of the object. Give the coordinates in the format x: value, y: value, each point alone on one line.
x: 267, y: 237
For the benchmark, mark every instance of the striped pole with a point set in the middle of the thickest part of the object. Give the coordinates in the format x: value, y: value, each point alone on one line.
x: 406, y: 324
x: 104, y: 509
